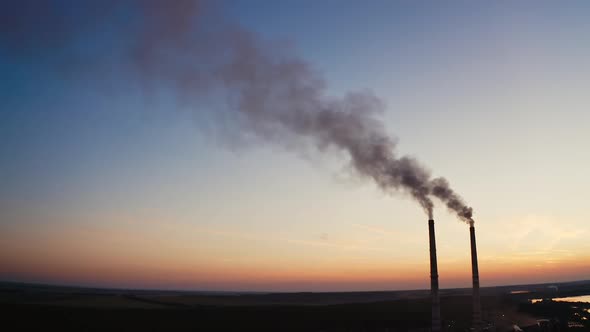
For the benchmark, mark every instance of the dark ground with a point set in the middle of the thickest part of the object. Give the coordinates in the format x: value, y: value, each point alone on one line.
x: 48, y: 308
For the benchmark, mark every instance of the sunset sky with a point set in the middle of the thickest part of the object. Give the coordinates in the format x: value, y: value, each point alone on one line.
x: 107, y: 181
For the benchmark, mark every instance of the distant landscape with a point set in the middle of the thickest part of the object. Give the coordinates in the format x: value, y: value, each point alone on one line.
x: 32, y: 306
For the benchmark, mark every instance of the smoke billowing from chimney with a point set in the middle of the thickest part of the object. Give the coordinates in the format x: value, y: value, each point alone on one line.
x: 268, y: 92
x: 441, y: 189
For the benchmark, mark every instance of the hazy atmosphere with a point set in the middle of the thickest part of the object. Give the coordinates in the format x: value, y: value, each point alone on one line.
x: 293, y: 145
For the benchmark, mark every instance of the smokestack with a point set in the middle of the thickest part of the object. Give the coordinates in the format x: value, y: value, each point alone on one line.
x: 477, y: 325
x: 434, y: 279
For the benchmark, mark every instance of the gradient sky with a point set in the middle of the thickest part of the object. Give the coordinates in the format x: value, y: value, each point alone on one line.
x: 101, y: 185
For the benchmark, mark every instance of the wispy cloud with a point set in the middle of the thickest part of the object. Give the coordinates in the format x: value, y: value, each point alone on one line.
x: 324, y: 239
x: 541, y: 232
x: 337, y: 245
x: 393, y: 234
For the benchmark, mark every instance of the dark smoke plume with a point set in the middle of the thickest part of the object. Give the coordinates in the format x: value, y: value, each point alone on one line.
x: 441, y: 189
x: 271, y: 93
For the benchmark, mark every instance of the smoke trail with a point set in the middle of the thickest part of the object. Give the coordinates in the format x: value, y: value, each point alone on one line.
x: 270, y: 92
x: 441, y: 189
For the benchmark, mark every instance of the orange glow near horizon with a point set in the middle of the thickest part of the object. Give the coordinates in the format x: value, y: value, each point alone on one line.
x: 160, y: 258
x: 162, y: 274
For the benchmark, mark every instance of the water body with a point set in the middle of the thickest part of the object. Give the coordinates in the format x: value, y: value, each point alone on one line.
x: 581, y: 298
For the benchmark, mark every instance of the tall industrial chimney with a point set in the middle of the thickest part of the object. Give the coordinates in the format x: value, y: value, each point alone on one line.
x: 434, y: 279
x: 477, y: 325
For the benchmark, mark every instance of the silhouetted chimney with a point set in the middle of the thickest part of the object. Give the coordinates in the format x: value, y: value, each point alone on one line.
x: 475, y: 271
x: 434, y: 279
